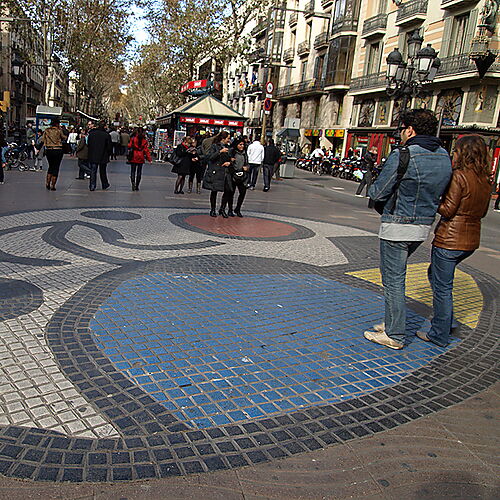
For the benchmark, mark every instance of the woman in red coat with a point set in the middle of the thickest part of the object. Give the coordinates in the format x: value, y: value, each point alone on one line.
x: 139, y: 145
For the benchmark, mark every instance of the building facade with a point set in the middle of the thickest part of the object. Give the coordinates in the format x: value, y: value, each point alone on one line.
x: 327, y: 61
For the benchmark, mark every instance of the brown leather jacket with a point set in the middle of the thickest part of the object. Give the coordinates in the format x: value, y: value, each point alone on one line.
x: 464, y: 205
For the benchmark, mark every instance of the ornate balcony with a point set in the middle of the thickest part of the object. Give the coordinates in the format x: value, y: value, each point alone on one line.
x: 411, y: 12
x: 375, y: 26
x: 344, y: 25
x: 373, y: 81
x: 304, y: 48
x: 308, y: 87
x: 326, y: 3
x: 255, y: 89
x: 321, y: 41
x: 288, y: 55
x: 293, y: 19
x: 456, y: 65
x: 309, y: 8
x: 260, y: 29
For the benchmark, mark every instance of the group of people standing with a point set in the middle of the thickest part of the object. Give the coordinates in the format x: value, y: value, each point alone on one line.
x: 224, y: 164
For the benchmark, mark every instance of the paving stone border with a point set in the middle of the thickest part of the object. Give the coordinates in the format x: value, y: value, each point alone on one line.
x: 300, y: 233
x: 154, y: 444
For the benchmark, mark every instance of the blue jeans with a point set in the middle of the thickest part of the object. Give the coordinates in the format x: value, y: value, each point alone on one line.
x: 393, y: 258
x: 441, y: 274
x: 254, y: 173
x: 102, y: 173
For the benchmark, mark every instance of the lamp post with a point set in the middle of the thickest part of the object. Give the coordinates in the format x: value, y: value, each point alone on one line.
x: 407, y: 79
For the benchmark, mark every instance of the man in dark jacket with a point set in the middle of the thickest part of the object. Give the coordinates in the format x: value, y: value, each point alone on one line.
x: 369, y: 162
x: 271, y: 156
x: 99, y: 149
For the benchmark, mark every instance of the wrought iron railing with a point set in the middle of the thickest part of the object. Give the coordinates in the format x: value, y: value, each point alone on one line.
x: 321, y: 40
x: 326, y: 3
x: 288, y: 54
x: 304, y: 48
x: 261, y: 27
x: 375, y: 80
x: 343, y: 24
x: 309, y: 8
x: 294, y: 16
x: 307, y: 87
x: 412, y: 8
x: 461, y: 63
x: 378, y: 22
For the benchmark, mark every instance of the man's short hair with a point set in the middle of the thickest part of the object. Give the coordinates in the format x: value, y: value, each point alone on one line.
x: 423, y: 121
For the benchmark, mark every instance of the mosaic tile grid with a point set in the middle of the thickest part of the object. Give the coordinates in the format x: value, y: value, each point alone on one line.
x: 223, y: 349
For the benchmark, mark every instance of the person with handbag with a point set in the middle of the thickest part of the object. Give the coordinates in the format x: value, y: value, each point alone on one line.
x: 138, y: 152
x: 239, y: 178
x: 53, y: 139
x: 458, y: 233
x: 217, y: 174
x: 185, y: 153
x: 82, y: 153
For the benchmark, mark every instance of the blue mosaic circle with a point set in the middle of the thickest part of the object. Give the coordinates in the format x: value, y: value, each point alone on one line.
x: 216, y: 349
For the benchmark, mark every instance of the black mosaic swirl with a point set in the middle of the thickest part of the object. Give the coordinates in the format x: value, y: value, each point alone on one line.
x: 111, y: 215
x: 18, y: 298
x: 170, y: 449
x: 300, y: 233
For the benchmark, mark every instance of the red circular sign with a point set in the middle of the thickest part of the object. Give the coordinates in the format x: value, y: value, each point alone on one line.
x: 268, y: 104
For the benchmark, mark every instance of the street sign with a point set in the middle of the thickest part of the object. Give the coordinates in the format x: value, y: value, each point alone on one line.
x: 268, y: 104
x: 267, y: 112
x: 269, y: 87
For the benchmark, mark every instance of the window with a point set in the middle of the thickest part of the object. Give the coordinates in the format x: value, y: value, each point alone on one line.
x: 308, y: 32
x: 318, y: 67
x: 293, y: 39
x: 382, y: 7
x: 288, y: 77
x: 339, y: 65
x: 372, y: 63
x: 303, y: 71
x: 458, y: 35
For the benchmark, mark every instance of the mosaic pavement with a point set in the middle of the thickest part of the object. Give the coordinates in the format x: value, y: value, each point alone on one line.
x: 140, y: 343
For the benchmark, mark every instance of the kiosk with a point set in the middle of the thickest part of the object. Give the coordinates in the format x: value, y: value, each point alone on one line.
x: 44, y: 114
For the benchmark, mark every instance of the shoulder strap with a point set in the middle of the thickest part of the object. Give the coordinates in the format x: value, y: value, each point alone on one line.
x: 404, y: 160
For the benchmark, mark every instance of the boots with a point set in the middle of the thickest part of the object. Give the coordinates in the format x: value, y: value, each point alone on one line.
x: 190, y: 186
x: 198, y: 188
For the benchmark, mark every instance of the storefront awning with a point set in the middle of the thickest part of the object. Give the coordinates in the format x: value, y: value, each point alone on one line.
x: 289, y: 132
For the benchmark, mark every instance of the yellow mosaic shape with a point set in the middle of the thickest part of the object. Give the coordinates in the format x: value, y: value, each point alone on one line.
x: 467, y: 298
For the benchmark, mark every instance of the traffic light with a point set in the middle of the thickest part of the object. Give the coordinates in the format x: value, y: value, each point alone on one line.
x: 5, y: 104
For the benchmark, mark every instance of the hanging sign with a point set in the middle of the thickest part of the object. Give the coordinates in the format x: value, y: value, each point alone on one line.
x: 210, y: 121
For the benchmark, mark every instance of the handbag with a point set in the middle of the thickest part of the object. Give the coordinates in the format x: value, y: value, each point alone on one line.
x: 130, y: 155
x: 240, y: 177
x: 404, y: 159
x: 174, y: 158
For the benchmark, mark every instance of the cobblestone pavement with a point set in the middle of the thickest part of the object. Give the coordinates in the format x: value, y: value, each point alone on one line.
x: 150, y: 342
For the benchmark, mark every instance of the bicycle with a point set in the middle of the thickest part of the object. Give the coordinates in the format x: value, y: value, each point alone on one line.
x: 19, y: 165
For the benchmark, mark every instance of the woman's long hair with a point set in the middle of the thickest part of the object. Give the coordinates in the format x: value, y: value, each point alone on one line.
x: 221, y: 136
x: 472, y: 153
x: 140, y: 136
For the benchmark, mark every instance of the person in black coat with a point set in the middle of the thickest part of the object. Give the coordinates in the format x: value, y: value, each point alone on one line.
x: 99, y: 149
x: 369, y: 161
x: 187, y: 153
x: 217, y: 174
x: 272, y: 157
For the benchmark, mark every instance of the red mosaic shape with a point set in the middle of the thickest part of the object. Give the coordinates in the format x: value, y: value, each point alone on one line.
x: 246, y: 227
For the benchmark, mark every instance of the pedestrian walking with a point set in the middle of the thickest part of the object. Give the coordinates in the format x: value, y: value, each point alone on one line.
x: 271, y: 158
x: 215, y: 178
x: 99, y: 150
x: 73, y: 141
x: 138, y: 144
x: 124, y: 140
x: 3, y: 160
x: 197, y: 170
x: 187, y: 153
x: 115, y: 142
x: 255, y: 154
x: 53, y: 139
x: 30, y: 139
x: 82, y: 153
x: 458, y: 232
x: 369, y: 161
x: 410, y: 186
x: 39, y: 151
x: 239, y: 176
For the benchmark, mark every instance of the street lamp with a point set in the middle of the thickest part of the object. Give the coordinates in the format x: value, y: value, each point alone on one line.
x: 406, y: 79
x: 17, y: 64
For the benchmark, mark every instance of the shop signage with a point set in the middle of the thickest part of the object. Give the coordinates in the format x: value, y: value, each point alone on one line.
x: 334, y: 132
x: 313, y: 132
x: 362, y: 140
x: 199, y: 84
x: 210, y: 121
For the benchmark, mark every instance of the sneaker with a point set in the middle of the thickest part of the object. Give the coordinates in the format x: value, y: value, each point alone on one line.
x: 359, y: 195
x: 266, y: 189
x: 380, y: 327
x: 383, y: 339
x: 496, y: 210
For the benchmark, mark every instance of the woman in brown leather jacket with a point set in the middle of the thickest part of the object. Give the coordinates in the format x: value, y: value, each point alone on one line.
x: 458, y: 232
